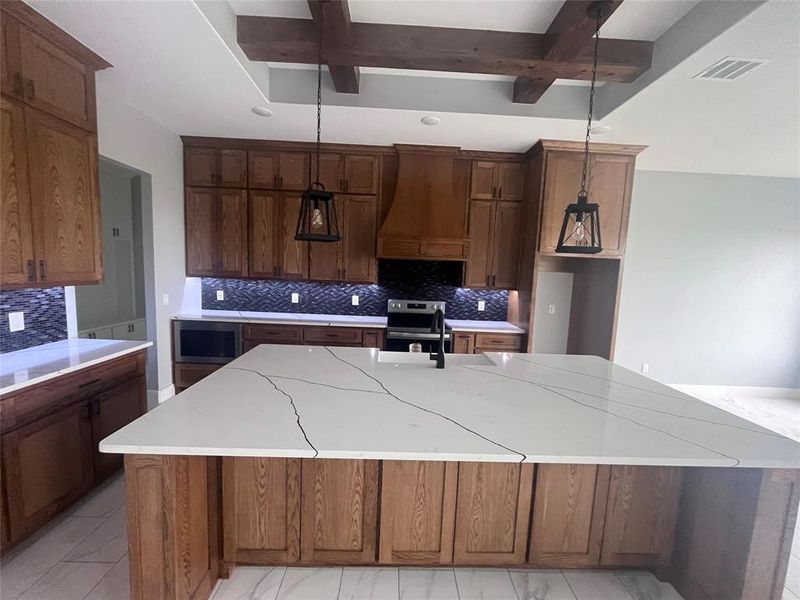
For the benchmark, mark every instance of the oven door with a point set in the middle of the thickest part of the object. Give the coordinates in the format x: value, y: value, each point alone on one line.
x: 207, y: 342
x: 399, y: 341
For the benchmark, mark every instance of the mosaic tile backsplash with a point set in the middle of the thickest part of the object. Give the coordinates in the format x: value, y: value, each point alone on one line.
x: 45, y: 317
x: 420, y: 280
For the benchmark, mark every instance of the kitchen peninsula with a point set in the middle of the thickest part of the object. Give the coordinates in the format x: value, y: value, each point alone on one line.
x: 322, y: 455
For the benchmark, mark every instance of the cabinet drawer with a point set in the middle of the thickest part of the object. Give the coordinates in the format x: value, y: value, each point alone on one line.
x: 499, y: 341
x: 332, y: 335
x: 273, y: 334
x: 187, y: 374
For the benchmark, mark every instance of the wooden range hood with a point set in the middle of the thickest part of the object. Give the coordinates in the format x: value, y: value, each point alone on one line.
x: 428, y: 215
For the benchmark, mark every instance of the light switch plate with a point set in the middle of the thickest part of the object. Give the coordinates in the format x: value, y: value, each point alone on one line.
x: 165, y: 299
x: 295, y: 297
x: 220, y: 295
x: 354, y: 300
x: 481, y: 305
x: 16, y: 321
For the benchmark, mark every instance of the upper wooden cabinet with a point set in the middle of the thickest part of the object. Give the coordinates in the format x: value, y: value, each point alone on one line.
x: 360, y: 174
x: 274, y: 170
x: 496, y: 180
x: 216, y: 232
x: 495, y: 230
x: 215, y: 167
x: 273, y: 251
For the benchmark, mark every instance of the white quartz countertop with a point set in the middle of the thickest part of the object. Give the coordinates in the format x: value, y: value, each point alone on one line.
x: 236, y: 316
x: 300, y: 401
x: 27, y: 367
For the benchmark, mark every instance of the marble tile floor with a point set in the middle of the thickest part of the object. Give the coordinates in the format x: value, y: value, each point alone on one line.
x: 82, y: 555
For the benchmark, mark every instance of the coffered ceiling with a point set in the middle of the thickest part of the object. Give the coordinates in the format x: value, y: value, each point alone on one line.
x: 178, y: 61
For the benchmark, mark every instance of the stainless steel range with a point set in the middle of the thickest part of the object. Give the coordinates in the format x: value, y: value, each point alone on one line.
x: 415, y: 322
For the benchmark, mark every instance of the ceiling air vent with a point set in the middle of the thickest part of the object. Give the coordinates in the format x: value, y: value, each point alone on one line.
x: 730, y: 68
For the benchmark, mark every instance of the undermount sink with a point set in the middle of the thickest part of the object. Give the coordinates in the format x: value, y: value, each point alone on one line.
x: 422, y: 359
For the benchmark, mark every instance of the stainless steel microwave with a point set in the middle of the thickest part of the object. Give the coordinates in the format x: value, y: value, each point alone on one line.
x: 212, y: 342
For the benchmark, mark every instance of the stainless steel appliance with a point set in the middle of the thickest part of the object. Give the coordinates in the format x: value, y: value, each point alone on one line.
x: 415, y: 321
x: 212, y: 342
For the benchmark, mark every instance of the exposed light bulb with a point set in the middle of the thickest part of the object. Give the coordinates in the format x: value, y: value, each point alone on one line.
x: 316, y: 218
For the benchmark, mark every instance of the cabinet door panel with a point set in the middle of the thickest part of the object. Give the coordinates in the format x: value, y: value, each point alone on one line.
x: 562, y: 182
x: 263, y: 220
x: 293, y: 254
x: 326, y: 259
x: 463, y: 343
x: 493, y: 507
x: 641, y: 516
x: 481, y: 227
x: 54, y: 81
x: 47, y: 465
x: 340, y: 511
x: 372, y: 339
x: 200, y: 166
x: 16, y: 239
x: 232, y: 168
x: 360, y: 217
x: 507, y: 231
x: 361, y: 174
x: 261, y: 513
x: 232, y: 233
x: 569, y: 509
x: 510, y: 181
x: 263, y: 169
x: 609, y: 178
x: 418, y: 509
x: 111, y: 411
x: 293, y: 174
x: 64, y: 183
x: 483, y: 180
x: 10, y: 70
x: 330, y: 171
x: 201, y: 231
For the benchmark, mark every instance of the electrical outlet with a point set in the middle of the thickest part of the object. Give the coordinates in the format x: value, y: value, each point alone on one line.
x: 645, y: 368
x: 354, y: 300
x: 220, y: 295
x: 295, y: 297
x: 481, y: 305
x: 16, y: 321
x: 165, y: 299
x: 551, y: 309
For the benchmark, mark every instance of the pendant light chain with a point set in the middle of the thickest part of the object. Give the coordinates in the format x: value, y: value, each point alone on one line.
x: 598, y: 20
x: 319, y: 85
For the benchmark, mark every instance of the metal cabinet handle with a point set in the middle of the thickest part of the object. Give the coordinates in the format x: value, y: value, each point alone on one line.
x: 494, y: 278
x: 280, y: 179
x: 30, y: 89
x: 275, y: 180
x: 31, y: 271
x: 19, y: 84
x: 500, y: 192
x: 42, y: 270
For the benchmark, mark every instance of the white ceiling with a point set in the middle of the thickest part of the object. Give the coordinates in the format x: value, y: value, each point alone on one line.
x: 173, y: 65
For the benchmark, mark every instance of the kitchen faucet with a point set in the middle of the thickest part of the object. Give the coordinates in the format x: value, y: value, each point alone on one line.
x: 438, y: 322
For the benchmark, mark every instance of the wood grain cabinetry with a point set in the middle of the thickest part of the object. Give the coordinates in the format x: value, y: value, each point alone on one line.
x: 216, y: 232
x: 495, y: 230
x: 569, y: 510
x: 293, y: 255
x: 496, y: 180
x: 492, y: 511
x: 215, y: 167
x: 276, y: 170
x: 360, y: 174
x: 187, y: 374
x: 474, y: 343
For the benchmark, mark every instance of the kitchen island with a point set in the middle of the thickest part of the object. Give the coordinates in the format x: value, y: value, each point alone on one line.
x: 321, y: 455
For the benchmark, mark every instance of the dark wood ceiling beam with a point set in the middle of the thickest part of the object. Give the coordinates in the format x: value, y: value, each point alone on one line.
x: 569, y: 34
x: 337, y: 22
x: 437, y: 49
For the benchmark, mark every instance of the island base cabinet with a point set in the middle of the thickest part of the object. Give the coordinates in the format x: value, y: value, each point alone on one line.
x: 418, y: 509
x: 492, y: 511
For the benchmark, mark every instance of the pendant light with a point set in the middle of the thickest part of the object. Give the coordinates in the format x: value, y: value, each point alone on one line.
x: 318, y: 221
x: 580, y: 230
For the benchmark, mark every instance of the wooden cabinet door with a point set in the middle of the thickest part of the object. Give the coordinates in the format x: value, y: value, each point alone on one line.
x: 484, y: 183
x: 263, y: 169
x: 232, y: 168
x: 62, y: 162
x: 293, y: 171
x: 201, y: 232
x: 569, y: 509
x: 55, y: 82
x: 492, y: 510
x: 10, y: 69
x: 264, y: 230
x: 340, y: 511
x: 509, y: 181
x: 562, y: 183
x: 16, y: 228
x: 293, y: 254
x: 418, y: 509
x: 200, y: 166
x: 47, y: 465
x: 359, y: 238
x: 463, y: 343
x: 261, y: 510
x: 361, y: 174
x: 331, y: 171
x: 373, y: 338
x: 610, y: 185
x: 232, y: 222
x: 641, y: 516
x: 326, y: 259
x: 506, y: 239
x: 111, y: 411
x: 481, y: 228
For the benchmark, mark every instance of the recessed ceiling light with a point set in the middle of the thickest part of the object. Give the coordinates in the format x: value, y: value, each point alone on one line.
x: 430, y: 120
x: 600, y: 129
x: 262, y: 111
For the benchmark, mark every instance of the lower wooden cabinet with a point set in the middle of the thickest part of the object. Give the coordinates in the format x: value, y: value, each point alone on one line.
x: 475, y: 343
x: 569, y: 509
x: 418, y: 509
x: 187, y: 374
x: 492, y: 512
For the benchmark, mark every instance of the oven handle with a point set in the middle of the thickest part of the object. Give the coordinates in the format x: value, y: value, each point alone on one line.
x: 408, y: 335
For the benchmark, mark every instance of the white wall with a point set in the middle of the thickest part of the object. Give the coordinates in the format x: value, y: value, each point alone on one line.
x: 711, y: 284
x: 131, y: 138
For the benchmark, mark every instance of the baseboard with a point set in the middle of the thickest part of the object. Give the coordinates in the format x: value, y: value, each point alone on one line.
x: 156, y: 397
x: 736, y: 391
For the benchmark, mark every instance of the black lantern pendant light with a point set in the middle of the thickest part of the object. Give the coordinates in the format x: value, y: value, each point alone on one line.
x: 580, y: 230
x: 317, y: 221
